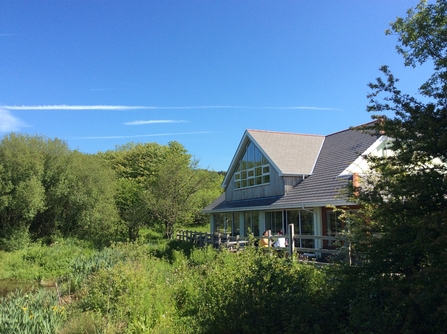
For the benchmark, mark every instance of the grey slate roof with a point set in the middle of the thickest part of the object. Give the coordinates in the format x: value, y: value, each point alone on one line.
x: 323, y: 187
x: 292, y: 153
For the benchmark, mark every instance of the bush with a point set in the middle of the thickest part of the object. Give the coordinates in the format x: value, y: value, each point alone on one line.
x: 251, y: 292
x: 135, y: 293
x: 12, y: 239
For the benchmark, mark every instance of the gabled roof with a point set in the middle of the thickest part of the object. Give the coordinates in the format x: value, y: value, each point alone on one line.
x: 323, y: 186
x: 339, y: 151
x: 292, y: 153
x: 289, y: 153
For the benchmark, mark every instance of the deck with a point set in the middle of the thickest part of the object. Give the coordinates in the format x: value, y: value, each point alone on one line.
x: 238, y: 243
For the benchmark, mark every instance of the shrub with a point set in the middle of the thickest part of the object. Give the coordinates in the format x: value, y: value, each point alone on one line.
x: 134, y: 292
x: 12, y: 239
x: 252, y: 292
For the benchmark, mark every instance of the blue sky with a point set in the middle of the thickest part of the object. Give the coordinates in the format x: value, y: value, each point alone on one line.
x: 104, y: 73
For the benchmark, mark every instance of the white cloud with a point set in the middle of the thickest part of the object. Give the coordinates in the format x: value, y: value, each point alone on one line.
x: 155, y: 122
x: 118, y: 107
x: 148, y: 135
x: 65, y: 107
x: 101, y: 89
x: 8, y: 122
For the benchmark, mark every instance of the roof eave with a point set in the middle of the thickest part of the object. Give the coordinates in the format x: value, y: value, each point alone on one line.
x: 298, y: 205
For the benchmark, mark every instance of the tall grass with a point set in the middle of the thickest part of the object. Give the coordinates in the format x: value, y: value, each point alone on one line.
x: 172, y: 287
x: 41, y: 262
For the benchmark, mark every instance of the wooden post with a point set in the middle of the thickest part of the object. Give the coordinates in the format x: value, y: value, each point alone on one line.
x: 228, y: 240
x: 237, y: 241
x: 219, y: 240
x: 349, y: 253
x: 291, y: 240
x: 269, y: 240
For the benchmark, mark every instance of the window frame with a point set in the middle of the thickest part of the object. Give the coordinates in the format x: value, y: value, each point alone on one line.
x: 252, y: 173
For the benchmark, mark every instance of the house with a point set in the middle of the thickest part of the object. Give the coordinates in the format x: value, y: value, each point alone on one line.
x: 276, y: 179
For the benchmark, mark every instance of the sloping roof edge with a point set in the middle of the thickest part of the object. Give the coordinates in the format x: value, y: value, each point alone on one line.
x: 237, y: 156
x: 356, y: 166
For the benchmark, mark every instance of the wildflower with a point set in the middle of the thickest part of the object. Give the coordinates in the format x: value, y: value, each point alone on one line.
x: 24, y: 309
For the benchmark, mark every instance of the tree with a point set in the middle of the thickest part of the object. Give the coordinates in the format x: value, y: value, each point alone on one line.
x: 23, y: 195
x: 88, y: 209
x: 172, y: 198
x: 402, y: 251
x: 47, y: 190
x: 131, y: 206
x: 160, y: 186
x: 136, y: 167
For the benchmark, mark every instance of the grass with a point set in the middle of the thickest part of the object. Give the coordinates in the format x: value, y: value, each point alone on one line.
x: 162, y: 286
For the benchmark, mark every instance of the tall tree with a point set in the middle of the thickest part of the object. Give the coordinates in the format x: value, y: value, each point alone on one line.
x: 399, y: 283
x: 160, y: 186
x: 136, y: 167
x: 23, y: 195
x: 172, y: 198
x: 46, y: 190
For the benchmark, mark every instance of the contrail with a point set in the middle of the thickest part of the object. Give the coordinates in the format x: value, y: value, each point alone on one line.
x: 155, y: 122
x: 120, y: 107
x: 139, y: 136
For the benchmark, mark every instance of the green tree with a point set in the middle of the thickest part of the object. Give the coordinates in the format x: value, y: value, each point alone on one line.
x: 173, y: 198
x: 131, y: 206
x: 136, y: 167
x: 402, y: 251
x: 46, y: 190
x: 160, y: 186
x: 89, y: 209
x: 23, y: 195
x: 208, y: 193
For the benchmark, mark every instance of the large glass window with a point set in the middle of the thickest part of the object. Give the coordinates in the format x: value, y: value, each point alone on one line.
x: 225, y: 223
x: 218, y: 219
x: 273, y: 221
x: 303, y: 222
x: 251, y: 223
x: 253, y: 169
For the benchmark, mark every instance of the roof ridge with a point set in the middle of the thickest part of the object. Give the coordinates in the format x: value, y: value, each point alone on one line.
x: 351, y: 128
x: 285, y: 133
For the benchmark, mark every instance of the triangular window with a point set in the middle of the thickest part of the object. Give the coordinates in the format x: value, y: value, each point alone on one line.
x: 253, y: 168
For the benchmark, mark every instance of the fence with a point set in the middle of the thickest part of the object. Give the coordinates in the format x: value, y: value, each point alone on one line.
x: 236, y: 243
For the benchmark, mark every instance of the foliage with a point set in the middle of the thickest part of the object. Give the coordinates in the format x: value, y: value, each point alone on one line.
x: 160, y: 187
x: 172, y: 197
x: 41, y: 262
x: 22, y: 196
x: 402, y: 251
x: 173, y: 287
x: 252, y: 292
x: 46, y: 190
x: 49, y: 191
x: 135, y: 166
x: 31, y: 312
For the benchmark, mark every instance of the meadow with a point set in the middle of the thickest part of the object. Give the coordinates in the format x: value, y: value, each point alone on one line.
x: 157, y: 286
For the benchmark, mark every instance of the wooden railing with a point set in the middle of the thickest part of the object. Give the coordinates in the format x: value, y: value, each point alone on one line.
x: 215, y: 239
x: 235, y: 243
